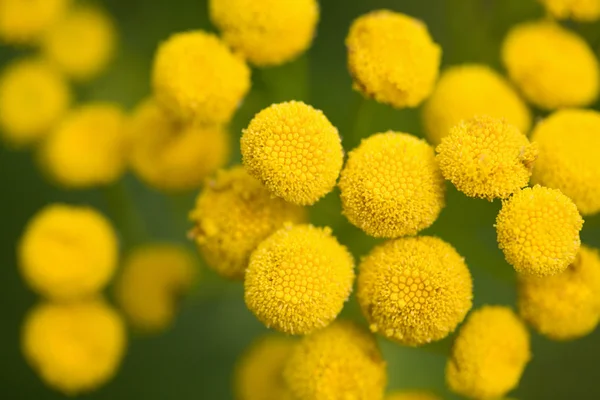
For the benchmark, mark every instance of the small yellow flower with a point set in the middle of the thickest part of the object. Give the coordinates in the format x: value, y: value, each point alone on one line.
x: 154, y: 278
x: 197, y: 78
x: 172, y: 156
x: 74, y: 347
x: 552, y: 66
x: 579, y: 10
x: 294, y: 151
x: 538, y: 231
x: 489, y: 354
x: 266, y: 32
x: 391, y: 185
x: 23, y: 21
x: 392, y: 58
x: 565, y: 306
x: 298, y: 279
x: 468, y: 90
x: 486, y: 157
x: 414, y: 290
x: 412, y: 395
x: 88, y: 148
x: 568, y: 158
x: 68, y: 252
x: 259, y: 372
x: 82, y: 43
x: 233, y: 214
x: 341, y: 361
x: 33, y: 98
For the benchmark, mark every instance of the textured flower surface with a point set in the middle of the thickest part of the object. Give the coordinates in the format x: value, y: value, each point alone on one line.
x: 341, y: 361
x: 298, y: 279
x: 579, y: 10
x: 412, y: 395
x: 23, y: 22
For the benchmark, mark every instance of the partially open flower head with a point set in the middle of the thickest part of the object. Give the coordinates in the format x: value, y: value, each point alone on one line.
x: 564, y: 306
x: 486, y: 157
x: 153, y: 280
x: 489, y: 354
x: 68, y: 252
x: 412, y: 395
x: 266, y: 32
x: 468, y: 90
x: 414, y: 290
x: 341, y: 361
x: 22, y: 22
x: 197, y: 78
x: 568, y: 160
x: 392, y: 186
x: 578, y: 10
x: 538, y: 231
x: 298, y: 279
x: 233, y: 214
x: 392, y: 58
x: 74, y: 347
x: 294, y: 151
x: 552, y: 66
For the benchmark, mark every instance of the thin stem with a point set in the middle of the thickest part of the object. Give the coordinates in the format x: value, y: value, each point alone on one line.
x: 124, y: 213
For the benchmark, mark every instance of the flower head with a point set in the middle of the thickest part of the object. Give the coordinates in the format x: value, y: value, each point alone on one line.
x: 391, y: 185
x: 298, y: 279
x: 579, y: 10
x: 23, y: 22
x: 412, y: 395
x: 538, y: 231
x: 294, y: 151
x: 414, y: 290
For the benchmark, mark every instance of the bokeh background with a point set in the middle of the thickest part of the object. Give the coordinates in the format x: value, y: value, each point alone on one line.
x: 195, y: 357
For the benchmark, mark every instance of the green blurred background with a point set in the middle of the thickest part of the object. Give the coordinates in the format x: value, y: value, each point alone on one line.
x: 194, y: 359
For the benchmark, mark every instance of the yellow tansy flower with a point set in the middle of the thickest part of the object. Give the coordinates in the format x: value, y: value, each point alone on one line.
x: 412, y: 395
x: 579, y: 10
x: 23, y: 21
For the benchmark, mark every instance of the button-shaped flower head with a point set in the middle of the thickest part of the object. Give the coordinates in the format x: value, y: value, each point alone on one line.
x: 579, y: 10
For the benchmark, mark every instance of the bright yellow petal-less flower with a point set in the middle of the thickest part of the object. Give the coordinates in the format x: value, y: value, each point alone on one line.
x: 578, y: 10
x: 233, y: 214
x: 552, y: 66
x: 568, y: 158
x: 259, y: 372
x: 266, y: 32
x: 298, y: 279
x: 412, y: 395
x: 538, y: 231
x: 33, y: 98
x: 392, y: 186
x: 81, y: 44
x: 172, y: 156
x: 489, y: 354
x: 74, y: 347
x: 197, y: 78
x: 24, y: 21
x: 486, y: 157
x: 565, y: 306
x: 154, y: 278
x: 294, y: 150
x: 414, y: 290
x: 68, y: 252
x: 88, y: 148
x: 392, y: 58
x: 341, y: 361
x: 469, y: 90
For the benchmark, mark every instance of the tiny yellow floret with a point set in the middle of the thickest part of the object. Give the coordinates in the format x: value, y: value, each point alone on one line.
x: 88, y: 148
x: 259, y: 372
x: 414, y: 290
x: 33, y: 98
x: 266, y: 32
x: 392, y: 58
x: 565, y: 306
x: 68, y: 252
x: 170, y: 155
x: 486, y: 157
x: 538, y: 231
x: 298, y: 279
x: 489, y: 354
x: 412, y: 395
x: 392, y: 186
x: 294, y: 151
x: 74, y: 347
x: 552, y: 66
x: 154, y: 279
x: 578, y: 10
x: 568, y: 160
x: 468, y: 90
x: 197, y: 78
x: 24, y: 21
x: 81, y: 44
x: 233, y: 214
x: 341, y: 361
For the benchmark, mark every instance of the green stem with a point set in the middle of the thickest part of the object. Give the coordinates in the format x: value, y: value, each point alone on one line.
x: 124, y: 213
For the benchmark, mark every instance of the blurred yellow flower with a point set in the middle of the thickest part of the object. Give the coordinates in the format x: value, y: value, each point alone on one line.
x: 579, y: 10
x: 24, y: 21
x: 412, y: 395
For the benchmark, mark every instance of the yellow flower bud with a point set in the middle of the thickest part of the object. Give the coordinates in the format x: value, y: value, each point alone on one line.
x: 412, y: 395
x: 579, y: 10
x: 23, y: 22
